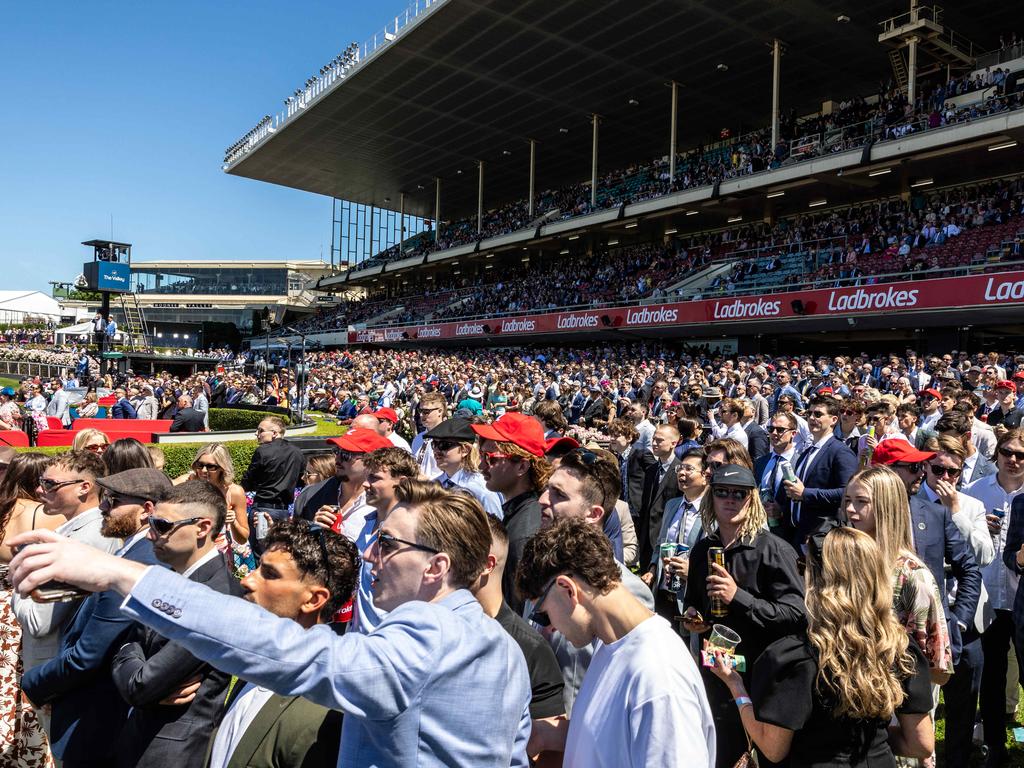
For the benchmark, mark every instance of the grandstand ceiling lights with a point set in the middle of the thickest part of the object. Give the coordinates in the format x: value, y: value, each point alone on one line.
x: 880, y: 172
x: 573, y: 237
x: 734, y: 219
x: 842, y: 19
x: 922, y: 183
x: 671, y: 231
x: 634, y: 103
x: 563, y: 252
x: 722, y: 67
x: 779, y: 193
x: 632, y: 225
x: 1004, y: 145
x: 817, y: 203
x: 613, y: 242
x: 692, y: 213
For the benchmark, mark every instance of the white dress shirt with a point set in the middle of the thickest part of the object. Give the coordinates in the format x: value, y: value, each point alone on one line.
x: 971, y: 523
x: 999, y: 580
x: 243, y: 710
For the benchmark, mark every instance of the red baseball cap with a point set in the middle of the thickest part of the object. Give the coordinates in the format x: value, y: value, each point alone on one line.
x: 387, y: 413
x: 825, y: 391
x: 518, y: 428
x: 565, y: 443
x: 361, y: 441
x: 933, y: 392
x: 895, y: 450
x: 1006, y: 385
x: 1018, y: 375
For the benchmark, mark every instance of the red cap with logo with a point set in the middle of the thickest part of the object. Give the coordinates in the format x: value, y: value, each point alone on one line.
x: 387, y: 413
x: 360, y: 441
x: 895, y: 450
x: 934, y: 393
x: 518, y: 428
x: 1006, y: 385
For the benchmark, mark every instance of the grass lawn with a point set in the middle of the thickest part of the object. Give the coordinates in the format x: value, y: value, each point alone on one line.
x: 1015, y: 750
x: 326, y: 426
x: 6, y: 381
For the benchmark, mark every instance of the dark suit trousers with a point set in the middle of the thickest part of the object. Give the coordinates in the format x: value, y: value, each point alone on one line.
x: 961, y: 697
x: 996, y: 643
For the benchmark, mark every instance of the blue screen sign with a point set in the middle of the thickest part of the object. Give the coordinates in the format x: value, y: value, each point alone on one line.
x: 112, y: 276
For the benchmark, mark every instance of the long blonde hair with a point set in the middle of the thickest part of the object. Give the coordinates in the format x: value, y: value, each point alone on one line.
x: 222, y: 457
x: 756, y: 519
x: 862, y: 649
x: 891, y: 509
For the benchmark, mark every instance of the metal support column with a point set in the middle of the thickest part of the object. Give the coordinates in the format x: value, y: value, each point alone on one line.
x: 533, y: 171
x: 401, y: 214
x: 480, y: 200
x: 776, y: 78
x: 593, y: 165
x: 911, y: 71
x: 672, y: 136
x: 437, y: 210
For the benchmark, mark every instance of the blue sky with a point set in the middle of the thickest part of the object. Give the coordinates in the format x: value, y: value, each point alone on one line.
x: 124, y: 109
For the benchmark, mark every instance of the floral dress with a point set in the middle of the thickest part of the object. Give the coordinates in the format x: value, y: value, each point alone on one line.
x: 23, y: 742
x: 918, y: 607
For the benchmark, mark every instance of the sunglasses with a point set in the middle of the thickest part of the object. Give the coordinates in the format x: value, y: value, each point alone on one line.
x: 199, y: 465
x: 388, y: 544
x: 97, y: 447
x: 780, y: 430
x: 713, y: 465
x: 321, y: 536
x: 914, y: 466
x: 498, y: 456
x: 344, y: 456
x: 443, y: 446
x: 1017, y: 456
x: 818, y: 414
x: 538, y: 616
x: 737, y: 494
x: 49, y: 486
x: 587, y: 457
x: 161, y: 527
x: 111, y: 500
x: 938, y: 471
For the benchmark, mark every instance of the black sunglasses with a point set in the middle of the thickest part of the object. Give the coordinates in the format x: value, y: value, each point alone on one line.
x: 49, y: 486
x: 914, y: 466
x: 780, y: 430
x: 587, y: 457
x: 161, y: 527
x: 943, y: 471
x: 443, y: 446
x: 388, y: 543
x: 343, y: 456
x: 538, y: 616
x: 1017, y: 456
x: 713, y: 465
x: 199, y: 465
x: 321, y: 536
x: 738, y: 494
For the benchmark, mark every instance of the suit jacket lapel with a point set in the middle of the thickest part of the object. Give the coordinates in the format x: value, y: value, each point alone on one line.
x: 258, y: 729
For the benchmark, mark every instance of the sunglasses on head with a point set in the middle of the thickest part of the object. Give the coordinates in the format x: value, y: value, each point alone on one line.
x: 940, y: 471
x: 321, y: 536
x: 587, y: 457
x: 737, y: 494
x: 1017, y: 456
x: 539, y: 616
x: 161, y: 527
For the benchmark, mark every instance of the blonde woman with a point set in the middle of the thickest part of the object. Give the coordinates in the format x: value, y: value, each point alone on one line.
x: 91, y: 440
x: 213, y: 464
x: 758, y: 593
x: 90, y: 406
x: 827, y: 699
x: 458, y: 457
x: 875, y: 502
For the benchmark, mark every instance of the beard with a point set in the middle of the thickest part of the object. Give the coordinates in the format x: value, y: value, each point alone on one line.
x: 118, y: 527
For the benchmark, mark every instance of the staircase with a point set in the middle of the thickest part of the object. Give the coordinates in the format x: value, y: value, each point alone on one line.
x: 135, y: 326
x: 899, y: 69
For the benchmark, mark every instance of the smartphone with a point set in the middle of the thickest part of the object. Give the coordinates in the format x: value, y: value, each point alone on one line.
x: 57, y: 592
x: 998, y: 512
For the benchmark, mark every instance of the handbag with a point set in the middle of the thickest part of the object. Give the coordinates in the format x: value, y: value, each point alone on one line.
x: 749, y: 758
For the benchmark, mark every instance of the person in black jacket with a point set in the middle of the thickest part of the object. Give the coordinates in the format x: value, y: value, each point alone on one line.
x: 757, y: 438
x: 634, y: 462
x: 187, y: 419
x: 272, y: 474
x: 175, y: 697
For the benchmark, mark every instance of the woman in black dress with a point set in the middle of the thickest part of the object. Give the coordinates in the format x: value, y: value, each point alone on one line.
x: 826, y: 700
x: 759, y: 588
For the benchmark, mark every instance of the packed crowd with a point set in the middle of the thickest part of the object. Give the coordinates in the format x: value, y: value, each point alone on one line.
x: 683, y: 550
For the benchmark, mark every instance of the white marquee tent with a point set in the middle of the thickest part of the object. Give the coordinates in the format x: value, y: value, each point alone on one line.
x: 28, y: 306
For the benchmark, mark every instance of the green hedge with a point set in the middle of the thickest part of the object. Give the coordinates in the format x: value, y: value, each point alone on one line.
x: 231, y: 419
x: 179, y: 456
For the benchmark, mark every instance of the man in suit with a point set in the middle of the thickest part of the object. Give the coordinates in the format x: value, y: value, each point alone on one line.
x: 122, y: 408
x: 757, y: 439
x: 782, y: 430
x: 437, y: 660
x: 153, y: 675
x: 594, y: 409
x: 822, y: 470
x: 957, y: 424
x: 262, y: 729
x: 87, y: 711
x: 660, y: 485
x: 59, y: 405
x: 633, y: 462
x: 188, y: 419
x: 938, y: 542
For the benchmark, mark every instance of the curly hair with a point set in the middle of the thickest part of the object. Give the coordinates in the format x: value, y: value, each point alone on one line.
x: 398, y: 461
x: 570, y: 545
x: 302, y: 540
x: 862, y: 648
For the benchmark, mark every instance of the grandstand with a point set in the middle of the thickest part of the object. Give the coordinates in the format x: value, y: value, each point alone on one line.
x: 627, y: 163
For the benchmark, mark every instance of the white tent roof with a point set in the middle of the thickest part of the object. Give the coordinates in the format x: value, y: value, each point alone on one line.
x: 34, y: 303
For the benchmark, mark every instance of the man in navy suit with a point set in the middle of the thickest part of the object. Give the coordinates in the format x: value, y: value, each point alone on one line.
x: 938, y: 541
x: 123, y: 408
x: 88, y: 712
x: 782, y: 429
x: 660, y: 485
x: 822, y: 471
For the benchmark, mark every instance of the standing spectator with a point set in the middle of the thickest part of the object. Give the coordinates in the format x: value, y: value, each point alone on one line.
x: 110, y: 331
x: 513, y: 465
x: 77, y: 683
x: 660, y: 485
x: 431, y: 411
x: 272, y: 474
x: 641, y: 681
x: 123, y: 408
x: 730, y: 414
x: 957, y: 424
x: 1005, y: 414
x: 148, y: 670
x: 822, y: 471
x: 633, y: 462
x: 60, y: 404
x: 201, y: 403
x: 10, y: 414
x: 998, y: 494
x: 304, y: 576
x: 757, y: 438
x: 458, y: 456
x: 387, y: 420
x: 148, y: 406
x: 187, y: 419
x: 760, y: 404
x: 768, y: 470
x: 759, y: 587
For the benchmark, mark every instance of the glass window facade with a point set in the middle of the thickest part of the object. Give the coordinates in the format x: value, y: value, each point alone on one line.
x: 226, y: 281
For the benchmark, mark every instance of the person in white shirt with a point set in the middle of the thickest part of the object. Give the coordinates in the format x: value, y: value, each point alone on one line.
x: 996, y: 494
x: 730, y: 414
x: 637, y: 413
x: 930, y: 401
x: 387, y: 420
x: 432, y: 410
x: 642, y: 702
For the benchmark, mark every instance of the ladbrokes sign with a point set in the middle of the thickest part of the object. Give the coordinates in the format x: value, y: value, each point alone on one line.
x: 980, y: 290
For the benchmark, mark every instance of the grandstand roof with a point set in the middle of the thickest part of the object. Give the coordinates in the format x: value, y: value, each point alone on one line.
x: 475, y: 79
x: 312, y: 264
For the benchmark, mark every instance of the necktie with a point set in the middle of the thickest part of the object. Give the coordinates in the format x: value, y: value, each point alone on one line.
x: 624, y: 477
x: 773, y: 476
x: 447, y: 483
x: 801, y: 470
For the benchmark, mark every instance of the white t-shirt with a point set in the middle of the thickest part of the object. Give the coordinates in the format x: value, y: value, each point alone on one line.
x: 642, y: 704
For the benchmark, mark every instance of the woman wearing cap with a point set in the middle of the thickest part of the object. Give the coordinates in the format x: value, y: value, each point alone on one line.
x: 827, y: 699
x: 458, y: 457
x: 759, y: 589
x: 875, y: 502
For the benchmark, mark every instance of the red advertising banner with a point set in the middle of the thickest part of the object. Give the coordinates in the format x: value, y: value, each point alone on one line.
x: 978, y: 290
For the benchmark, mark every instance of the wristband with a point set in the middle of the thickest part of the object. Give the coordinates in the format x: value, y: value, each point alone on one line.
x: 742, y: 701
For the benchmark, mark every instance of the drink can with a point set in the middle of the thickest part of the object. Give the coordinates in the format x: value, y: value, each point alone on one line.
x: 718, y: 608
x: 787, y: 471
x: 676, y: 582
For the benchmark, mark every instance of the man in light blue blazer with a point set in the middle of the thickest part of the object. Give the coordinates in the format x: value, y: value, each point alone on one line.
x: 438, y: 683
